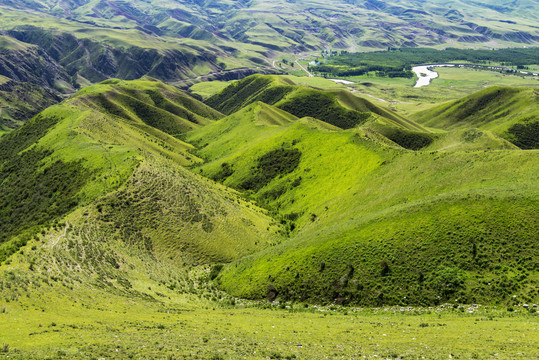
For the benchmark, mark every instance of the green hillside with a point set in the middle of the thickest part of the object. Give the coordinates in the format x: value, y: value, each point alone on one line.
x: 349, y: 216
x: 371, y: 223
x: 511, y: 113
x: 133, y: 213
x: 118, y: 137
x: 21, y: 101
x: 336, y: 107
x: 237, y: 179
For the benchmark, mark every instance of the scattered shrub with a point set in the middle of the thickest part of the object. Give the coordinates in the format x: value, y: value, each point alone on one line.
x: 525, y: 135
x: 270, y: 165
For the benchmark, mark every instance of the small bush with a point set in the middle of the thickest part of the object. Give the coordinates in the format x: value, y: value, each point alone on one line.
x: 215, y: 270
x: 525, y: 136
x: 270, y: 165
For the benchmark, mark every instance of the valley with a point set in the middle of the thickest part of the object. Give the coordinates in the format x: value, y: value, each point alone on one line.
x: 269, y: 179
x: 301, y: 243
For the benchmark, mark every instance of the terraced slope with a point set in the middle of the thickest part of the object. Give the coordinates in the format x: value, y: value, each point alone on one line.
x: 511, y: 113
x: 110, y: 154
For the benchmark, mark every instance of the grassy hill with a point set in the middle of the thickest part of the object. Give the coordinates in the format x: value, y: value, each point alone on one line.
x: 371, y: 223
x: 98, y: 215
x: 336, y: 107
x: 118, y: 137
x: 364, y: 220
x: 508, y: 112
x: 128, y: 204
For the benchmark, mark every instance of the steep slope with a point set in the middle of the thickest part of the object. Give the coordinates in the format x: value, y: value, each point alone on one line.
x: 304, y: 25
x: 21, y: 101
x: 511, y: 113
x: 100, y: 221
x: 23, y: 62
x: 110, y: 149
x: 371, y: 223
x: 90, y: 60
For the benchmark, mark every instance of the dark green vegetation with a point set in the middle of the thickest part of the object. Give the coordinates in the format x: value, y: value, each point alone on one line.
x: 275, y: 163
x: 21, y: 101
x: 525, y: 136
x: 398, y: 62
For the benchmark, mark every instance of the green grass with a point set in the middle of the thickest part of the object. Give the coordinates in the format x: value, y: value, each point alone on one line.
x: 355, y: 194
x: 122, y: 297
x: 469, y: 140
x: 396, y: 211
x: 336, y: 107
x: 118, y: 135
x: 110, y: 243
x: 83, y: 330
x: 509, y: 112
x: 208, y: 88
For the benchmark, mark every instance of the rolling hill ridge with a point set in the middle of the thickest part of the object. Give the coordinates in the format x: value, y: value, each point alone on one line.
x: 106, y: 131
x: 284, y: 207
x: 287, y: 166
x: 511, y: 113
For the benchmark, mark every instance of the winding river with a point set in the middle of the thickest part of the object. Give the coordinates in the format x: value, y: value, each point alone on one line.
x: 425, y: 74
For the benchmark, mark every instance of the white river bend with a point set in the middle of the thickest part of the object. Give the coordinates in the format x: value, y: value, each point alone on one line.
x: 425, y: 75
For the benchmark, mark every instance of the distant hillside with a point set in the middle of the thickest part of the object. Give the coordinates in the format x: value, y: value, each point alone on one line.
x: 511, y: 113
x: 21, y: 101
x: 79, y: 61
x: 306, y: 25
x: 23, y: 62
x: 339, y: 108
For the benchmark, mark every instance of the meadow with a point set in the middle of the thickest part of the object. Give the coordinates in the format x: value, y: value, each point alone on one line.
x: 69, y: 326
x: 452, y: 83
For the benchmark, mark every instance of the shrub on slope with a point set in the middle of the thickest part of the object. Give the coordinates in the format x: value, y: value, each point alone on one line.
x: 72, y: 154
